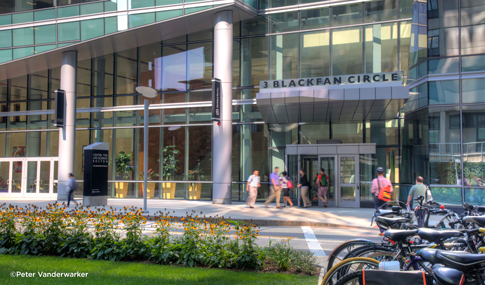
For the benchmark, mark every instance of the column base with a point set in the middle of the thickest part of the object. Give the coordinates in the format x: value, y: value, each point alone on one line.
x: 95, y: 201
x: 222, y: 201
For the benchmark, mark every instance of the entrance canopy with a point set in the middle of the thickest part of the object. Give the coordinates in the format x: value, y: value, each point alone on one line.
x: 336, y: 98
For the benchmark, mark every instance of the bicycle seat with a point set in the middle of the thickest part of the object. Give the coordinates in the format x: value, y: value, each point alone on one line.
x: 428, y: 254
x: 388, y: 222
x: 459, y: 260
x: 447, y: 275
x: 399, y: 235
x: 479, y: 220
x: 438, y: 236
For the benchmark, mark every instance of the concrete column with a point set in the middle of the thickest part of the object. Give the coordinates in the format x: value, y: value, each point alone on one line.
x: 222, y: 134
x: 67, y: 135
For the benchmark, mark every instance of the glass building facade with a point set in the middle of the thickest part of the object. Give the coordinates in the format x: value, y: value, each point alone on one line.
x: 436, y: 133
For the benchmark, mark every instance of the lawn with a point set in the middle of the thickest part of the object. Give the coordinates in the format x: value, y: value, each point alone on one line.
x: 106, y: 272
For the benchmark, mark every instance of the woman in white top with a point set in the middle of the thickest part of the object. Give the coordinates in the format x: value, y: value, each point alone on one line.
x: 252, y: 188
x: 284, y: 186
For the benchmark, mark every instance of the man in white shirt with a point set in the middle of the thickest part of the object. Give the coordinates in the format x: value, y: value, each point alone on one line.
x: 252, y: 188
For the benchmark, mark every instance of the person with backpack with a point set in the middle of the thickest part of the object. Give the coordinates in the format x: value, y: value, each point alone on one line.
x: 322, y: 183
x: 71, y: 186
x: 381, y: 189
x: 286, y: 185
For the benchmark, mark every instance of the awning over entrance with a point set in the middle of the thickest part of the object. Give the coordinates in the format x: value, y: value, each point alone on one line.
x: 343, y: 102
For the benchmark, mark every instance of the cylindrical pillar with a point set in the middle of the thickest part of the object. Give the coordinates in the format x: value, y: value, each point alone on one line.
x: 145, y: 154
x: 222, y: 133
x: 67, y: 135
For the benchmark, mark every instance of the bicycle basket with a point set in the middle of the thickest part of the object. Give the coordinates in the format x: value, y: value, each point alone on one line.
x: 378, y: 277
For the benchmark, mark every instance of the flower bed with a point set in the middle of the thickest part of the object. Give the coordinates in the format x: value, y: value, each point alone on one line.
x: 105, y: 234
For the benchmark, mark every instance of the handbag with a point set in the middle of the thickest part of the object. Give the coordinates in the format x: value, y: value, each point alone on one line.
x: 289, y: 184
x: 384, y: 193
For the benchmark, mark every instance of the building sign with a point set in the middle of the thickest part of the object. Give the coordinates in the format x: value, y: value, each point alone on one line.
x: 216, y: 99
x: 95, y: 172
x: 59, y: 108
x: 353, y: 79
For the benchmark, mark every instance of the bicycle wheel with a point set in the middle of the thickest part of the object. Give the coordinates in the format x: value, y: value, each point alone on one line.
x: 351, y: 278
x: 347, y: 266
x: 367, y: 250
x: 343, y: 249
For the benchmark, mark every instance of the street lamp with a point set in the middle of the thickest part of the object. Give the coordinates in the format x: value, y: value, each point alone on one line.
x: 148, y: 93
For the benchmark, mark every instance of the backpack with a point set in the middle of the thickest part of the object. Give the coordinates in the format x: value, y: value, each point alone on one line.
x: 384, y: 193
x: 323, y: 180
x: 74, y: 185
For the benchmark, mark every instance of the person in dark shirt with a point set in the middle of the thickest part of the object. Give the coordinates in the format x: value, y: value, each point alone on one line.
x: 304, y: 186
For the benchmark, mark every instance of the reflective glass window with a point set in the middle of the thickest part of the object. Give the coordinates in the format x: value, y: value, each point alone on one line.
x: 174, y: 63
x: 141, y: 3
x: 83, y: 88
x: 472, y: 90
x: 404, y: 34
x: 164, y: 15
x: 92, y: 8
x: 68, y: 31
x: 150, y: 67
x: 6, y: 20
x: 5, y: 55
x: 70, y: 11
x: 45, y: 34
x: 254, y: 26
x: 472, y: 12
x: 315, y: 54
x: 23, y: 37
x: 196, y: 9
x: 110, y: 6
x: 443, y: 42
x: 277, y: 3
x: 472, y: 40
x: 347, y: 15
x: 311, y: 133
x: 283, y: 22
x: 6, y: 36
x: 44, y: 48
x: 110, y: 25
x: 443, y: 92
x: 381, y: 48
x: 348, y: 132
x: 22, y: 17
x: 168, y: 2
x: 141, y: 19
x: 381, y: 10
x: 199, y: 66
x: 126, y: 71
x: 45, y: 14
x: 284, y: 56
x: 92, y: 29
x: 103, y: 80
x: 474, y: 149
x: 254, y: 61
x: 315, y: 18
x: 347, y: 51
x: 473, y: 63
x: 443, y: 65
x: 405, y: 8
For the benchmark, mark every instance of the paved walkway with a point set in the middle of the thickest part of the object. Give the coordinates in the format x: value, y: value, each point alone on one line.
x: 295, y: 216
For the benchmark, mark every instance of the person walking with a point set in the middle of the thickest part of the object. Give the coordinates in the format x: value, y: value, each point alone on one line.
x: 417, y: 190
x: 378, y: 184
x: 322, y: 183
x: 285, y: 188
x: 275, y: 190
x: 71, y: 187
x: 304, y: 186
x: 252, y: 187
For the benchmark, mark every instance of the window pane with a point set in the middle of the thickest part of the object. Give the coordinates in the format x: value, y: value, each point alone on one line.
x: 68, y: 31
x: 110, y: 25
x: 68, y: 11
x: 444, y: 65
x: 472, y: 40
x: 381, y: 48
x: 254, y: 61
x: 404, y: 34
x: 173, y: 140
x: 444, y: 145
x: 126, y: 71
x: 45, y: 34
x: 22, y: 18
x: 382, y: 10
x: 472, y: 12
x: 315, y: 54
x: 23, y: 37
x: 141, y: 3
x: 472, y: 90
x: 200, y: 153
x: 5, y: 55
x: 284, y: 22
x: 348, y: 132
x: 311, y: 133
x: 254, y: 26
x: 316, y: 18
x: 199, y: 67
x: 347, y: 15
x: 92, y: 29
x: 474, y: 145
x: 444, y: 92
x: 45, y: 15
x: 473, y: 63
x: 6, y: 20
x: 382, y: 132
x: 168, y: 2
x: 406, y: 8
x: 164, y: 15
x: 347, y: 51
x: 174, y: 68
x: 141, y: 19
x: 284, y: 56
x: 22, y: 52
x: 443, y: 42
x: 196, y: 9
x: 6, y: 37
x: 277, y: 3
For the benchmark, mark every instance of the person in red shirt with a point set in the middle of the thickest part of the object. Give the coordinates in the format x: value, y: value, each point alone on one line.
x: 322, y: 183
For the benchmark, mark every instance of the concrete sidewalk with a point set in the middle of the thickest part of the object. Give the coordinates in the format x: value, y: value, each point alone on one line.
x: 261, y: 216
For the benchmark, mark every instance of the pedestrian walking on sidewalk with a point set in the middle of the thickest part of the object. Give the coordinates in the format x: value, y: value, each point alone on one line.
x: 71, y: 186
x: 380, y: 185
x: 285, y: 187
x: 304, y: 186
x: 252, y: 187
x: 322, y: 183
x: 274, y: 189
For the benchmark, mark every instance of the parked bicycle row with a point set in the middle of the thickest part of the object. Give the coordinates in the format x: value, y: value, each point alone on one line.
x: 446, y: 253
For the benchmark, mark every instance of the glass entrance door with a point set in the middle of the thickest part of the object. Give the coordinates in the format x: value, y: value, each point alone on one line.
x: 329, y: 166
x: 349, y: 181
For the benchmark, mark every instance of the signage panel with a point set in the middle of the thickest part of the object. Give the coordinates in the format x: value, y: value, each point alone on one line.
x: 216, y: 99
x: 59, y: 108
x: 353, y: 79
x: 96, y: 170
